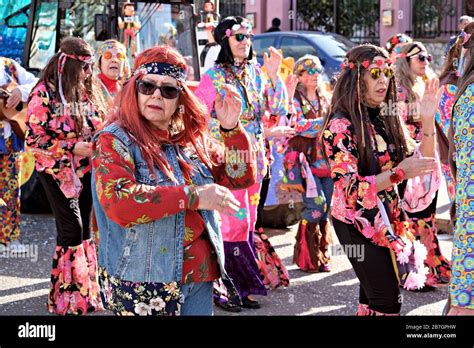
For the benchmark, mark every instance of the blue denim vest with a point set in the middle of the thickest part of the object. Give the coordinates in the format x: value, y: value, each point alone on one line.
x: 152, y: 252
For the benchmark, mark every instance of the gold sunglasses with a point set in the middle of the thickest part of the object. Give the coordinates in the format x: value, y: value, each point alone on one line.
x: 375, y: 72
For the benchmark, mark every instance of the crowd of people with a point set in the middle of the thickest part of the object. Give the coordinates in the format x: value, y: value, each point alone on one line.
x: 367, y: 158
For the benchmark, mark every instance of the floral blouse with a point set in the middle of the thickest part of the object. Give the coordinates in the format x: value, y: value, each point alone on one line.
x: 127, y: 203
x: 258, y: 96
x: 355, y: 195
x: 52, y: 135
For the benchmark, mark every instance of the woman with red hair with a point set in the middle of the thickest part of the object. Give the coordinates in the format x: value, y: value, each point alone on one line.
x: 158, y: 182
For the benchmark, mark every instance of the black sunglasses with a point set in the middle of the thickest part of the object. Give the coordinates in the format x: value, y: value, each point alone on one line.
x: 422, y: 58
x: 167, y: 91
x: 85, y: 65
x: 240, y: 37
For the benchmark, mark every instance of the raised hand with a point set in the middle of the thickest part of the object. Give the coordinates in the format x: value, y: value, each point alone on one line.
x: 228, y: 106
x: 291, y: 82
x: 272, y: 63
x: 430, y: 101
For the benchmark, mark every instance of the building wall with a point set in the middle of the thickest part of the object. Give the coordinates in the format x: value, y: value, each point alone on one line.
x: 266, y: 10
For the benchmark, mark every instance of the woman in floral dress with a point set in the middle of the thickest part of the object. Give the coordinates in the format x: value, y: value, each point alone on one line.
x: 311, y: 104
x: 412, y: 66
x: 159, y: 181
x: 369, y: 155
x: 235, y: 66
x: 63, y: 115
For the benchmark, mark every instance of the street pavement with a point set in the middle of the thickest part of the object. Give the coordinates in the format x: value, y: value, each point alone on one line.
x: 24, y: 281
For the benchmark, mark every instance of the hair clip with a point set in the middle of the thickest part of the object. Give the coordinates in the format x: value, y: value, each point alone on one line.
x: 228, y: 33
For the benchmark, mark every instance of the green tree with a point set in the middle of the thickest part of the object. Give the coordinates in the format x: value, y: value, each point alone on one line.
x: 358, y: 18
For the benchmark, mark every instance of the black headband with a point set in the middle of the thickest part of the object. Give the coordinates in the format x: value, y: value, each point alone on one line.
x: 163, y: 69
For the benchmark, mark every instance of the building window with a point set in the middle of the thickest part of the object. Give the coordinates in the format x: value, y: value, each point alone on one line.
x: 232, y: 8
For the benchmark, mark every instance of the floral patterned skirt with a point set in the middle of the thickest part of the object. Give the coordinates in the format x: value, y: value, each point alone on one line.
x: 9, y: 195
x: 74, y: 286
x: 125, y: 298
x: 273, y: 270
x: 426, y: 232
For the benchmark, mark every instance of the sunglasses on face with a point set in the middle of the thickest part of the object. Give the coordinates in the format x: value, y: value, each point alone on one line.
x: 86, y: 66
x: 375, y: 72
x: 313, y: 71
x: 149, y: 88
x: 240, y: 37
x: 423, y: 58
x: 119, y: 55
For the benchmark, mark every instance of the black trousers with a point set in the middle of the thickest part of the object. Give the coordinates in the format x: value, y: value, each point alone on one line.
x: 261, y: 203
x: 379, y: 286
x: 72, y: 215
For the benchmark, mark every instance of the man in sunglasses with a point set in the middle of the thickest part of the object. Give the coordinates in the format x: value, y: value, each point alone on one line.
x: 114, y: 68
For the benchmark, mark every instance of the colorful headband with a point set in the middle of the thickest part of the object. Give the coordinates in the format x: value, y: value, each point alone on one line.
x: 410, y: 53
x: 162, y: 69
x: 399, y: 38
x: 347, y: 64
x: 309, y: 64
x: 235, y: 27
x: 110, y: 46
x: 64, y: 56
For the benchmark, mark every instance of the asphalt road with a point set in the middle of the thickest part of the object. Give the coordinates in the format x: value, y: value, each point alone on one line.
x: 24, y: 282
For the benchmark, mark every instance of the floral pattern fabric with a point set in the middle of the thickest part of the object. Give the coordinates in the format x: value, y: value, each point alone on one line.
x: 312, y: 128
x: 52, y: 135
x: 462, y: 281
x: 10, y: 194
x: 424, y: 222
x: 355, y: 195
x: 74, y: 287
x: 125, y: 298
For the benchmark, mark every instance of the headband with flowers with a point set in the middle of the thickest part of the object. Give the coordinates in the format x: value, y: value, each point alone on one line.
x: 347, y: 64
x: 395, y: 40
x: 235, y: 27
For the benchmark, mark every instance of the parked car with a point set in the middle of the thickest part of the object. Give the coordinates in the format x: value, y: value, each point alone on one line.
x: 330, y: 48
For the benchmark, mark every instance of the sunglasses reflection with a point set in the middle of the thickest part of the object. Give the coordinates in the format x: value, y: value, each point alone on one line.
x: 376, y: 72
